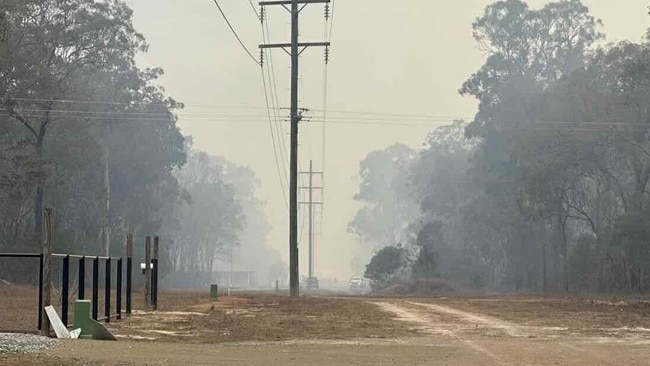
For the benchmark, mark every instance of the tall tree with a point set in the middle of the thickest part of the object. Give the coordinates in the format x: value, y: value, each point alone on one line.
x: 47, y: 46
x: 384, y: 191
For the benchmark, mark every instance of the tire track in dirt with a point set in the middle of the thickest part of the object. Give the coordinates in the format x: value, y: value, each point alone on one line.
x: 426, y: 325
x: 410, y: 316
x: 508, y: 328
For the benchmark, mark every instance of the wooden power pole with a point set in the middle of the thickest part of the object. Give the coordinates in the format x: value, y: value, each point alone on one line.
x: 295, y: 49
x: 147, y: 273
x: 46, y: 257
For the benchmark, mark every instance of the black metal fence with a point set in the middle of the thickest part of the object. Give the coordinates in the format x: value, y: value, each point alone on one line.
x: 112, y: 267
x: 81, y: 283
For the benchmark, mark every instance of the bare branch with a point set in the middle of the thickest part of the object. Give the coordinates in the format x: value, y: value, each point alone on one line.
x: 22, y: 119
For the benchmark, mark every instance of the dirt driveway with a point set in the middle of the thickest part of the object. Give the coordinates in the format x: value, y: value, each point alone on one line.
x: 364, y: 331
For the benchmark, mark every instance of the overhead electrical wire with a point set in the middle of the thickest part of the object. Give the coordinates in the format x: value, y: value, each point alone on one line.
x: 230, y: 119
x: 221, y: 106
x: 275, y: 151
x: 220, y: 115
x: 279, y: 158
x: 332, y: 20
x: 235, y: 33
x: 276, y: 126
x: 138, y: 117
x: 257, y: 15
x: 266, y: 34
x: 328, y: 36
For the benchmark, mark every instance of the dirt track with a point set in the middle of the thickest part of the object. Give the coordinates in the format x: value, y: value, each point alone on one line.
x: 363, y: 331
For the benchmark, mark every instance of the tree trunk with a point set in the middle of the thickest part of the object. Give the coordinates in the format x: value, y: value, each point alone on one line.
x: 562, y: 219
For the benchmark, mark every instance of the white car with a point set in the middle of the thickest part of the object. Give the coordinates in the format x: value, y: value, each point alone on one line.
x: 357, y: 283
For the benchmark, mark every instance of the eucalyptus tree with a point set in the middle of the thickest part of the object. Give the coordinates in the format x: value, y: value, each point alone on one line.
x: 47, y: 47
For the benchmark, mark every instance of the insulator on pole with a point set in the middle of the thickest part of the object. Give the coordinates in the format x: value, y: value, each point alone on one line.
x: 261, y: 57
x: 262, y: 14
x: 327, y: 11
x: 327, y: 54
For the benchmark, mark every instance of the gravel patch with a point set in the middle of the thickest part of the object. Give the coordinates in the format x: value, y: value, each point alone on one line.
x: 23, y: 343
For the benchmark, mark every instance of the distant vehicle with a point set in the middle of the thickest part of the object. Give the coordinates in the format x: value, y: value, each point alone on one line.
x: 357, y: 283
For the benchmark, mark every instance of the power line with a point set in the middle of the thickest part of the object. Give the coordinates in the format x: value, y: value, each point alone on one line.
x: 210, y: 115
x: 257, y: 15
x: 332, y: 20
x: 329, y: 18
x: 279, y: 130
x: 206, y: 105
x: 237, y: 119
x: 230, y: 118
x: 274, y: 87
x: 280, y: 138
x: 266, y: 35
x: 275, y: 151
x: 235, y: 34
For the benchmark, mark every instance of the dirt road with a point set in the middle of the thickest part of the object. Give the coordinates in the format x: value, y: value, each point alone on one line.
x: 492, y: 341
x: 417, y: 332
x: 433, y: 350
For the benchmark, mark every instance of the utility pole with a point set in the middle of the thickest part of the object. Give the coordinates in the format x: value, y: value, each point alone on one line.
x: 296, y: 48
x: 311, y: 281
x: 311, y: 224
x: 107, y: 220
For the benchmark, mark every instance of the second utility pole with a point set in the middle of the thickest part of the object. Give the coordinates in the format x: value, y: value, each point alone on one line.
x: 312, y: 281
x: 295, y: 52
x: 294, y: 274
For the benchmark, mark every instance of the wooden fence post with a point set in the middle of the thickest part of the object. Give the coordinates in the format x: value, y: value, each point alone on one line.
x: 154, y: 282
x: 147, y: 272
x: 47, y: 270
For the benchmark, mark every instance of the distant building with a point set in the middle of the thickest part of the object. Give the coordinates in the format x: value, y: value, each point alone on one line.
x: 240, y: 279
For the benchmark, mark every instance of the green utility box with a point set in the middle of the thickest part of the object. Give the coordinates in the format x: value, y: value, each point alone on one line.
x: 82, y: 318
x: 214, y: 292
x: 90, y: 329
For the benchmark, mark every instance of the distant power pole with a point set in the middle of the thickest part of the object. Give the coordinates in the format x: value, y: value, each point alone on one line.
x: 296, y: 48
x: 310, y: 206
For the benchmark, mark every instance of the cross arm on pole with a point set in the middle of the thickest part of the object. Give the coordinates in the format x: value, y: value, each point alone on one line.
x: 289, y: 2
x: 303, y: 45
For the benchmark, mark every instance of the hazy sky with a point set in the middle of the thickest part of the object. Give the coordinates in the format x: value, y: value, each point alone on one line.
x: 387, y: 57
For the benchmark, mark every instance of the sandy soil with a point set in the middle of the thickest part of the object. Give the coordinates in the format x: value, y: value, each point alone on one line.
x: 263, y: 329
x: 577, y: 316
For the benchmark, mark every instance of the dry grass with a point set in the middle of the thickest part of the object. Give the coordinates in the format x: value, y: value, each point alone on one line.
x: 191, y: 317
x: 18, y: 308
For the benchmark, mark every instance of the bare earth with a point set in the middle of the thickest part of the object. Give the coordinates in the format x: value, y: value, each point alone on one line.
x: 263, y: 329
